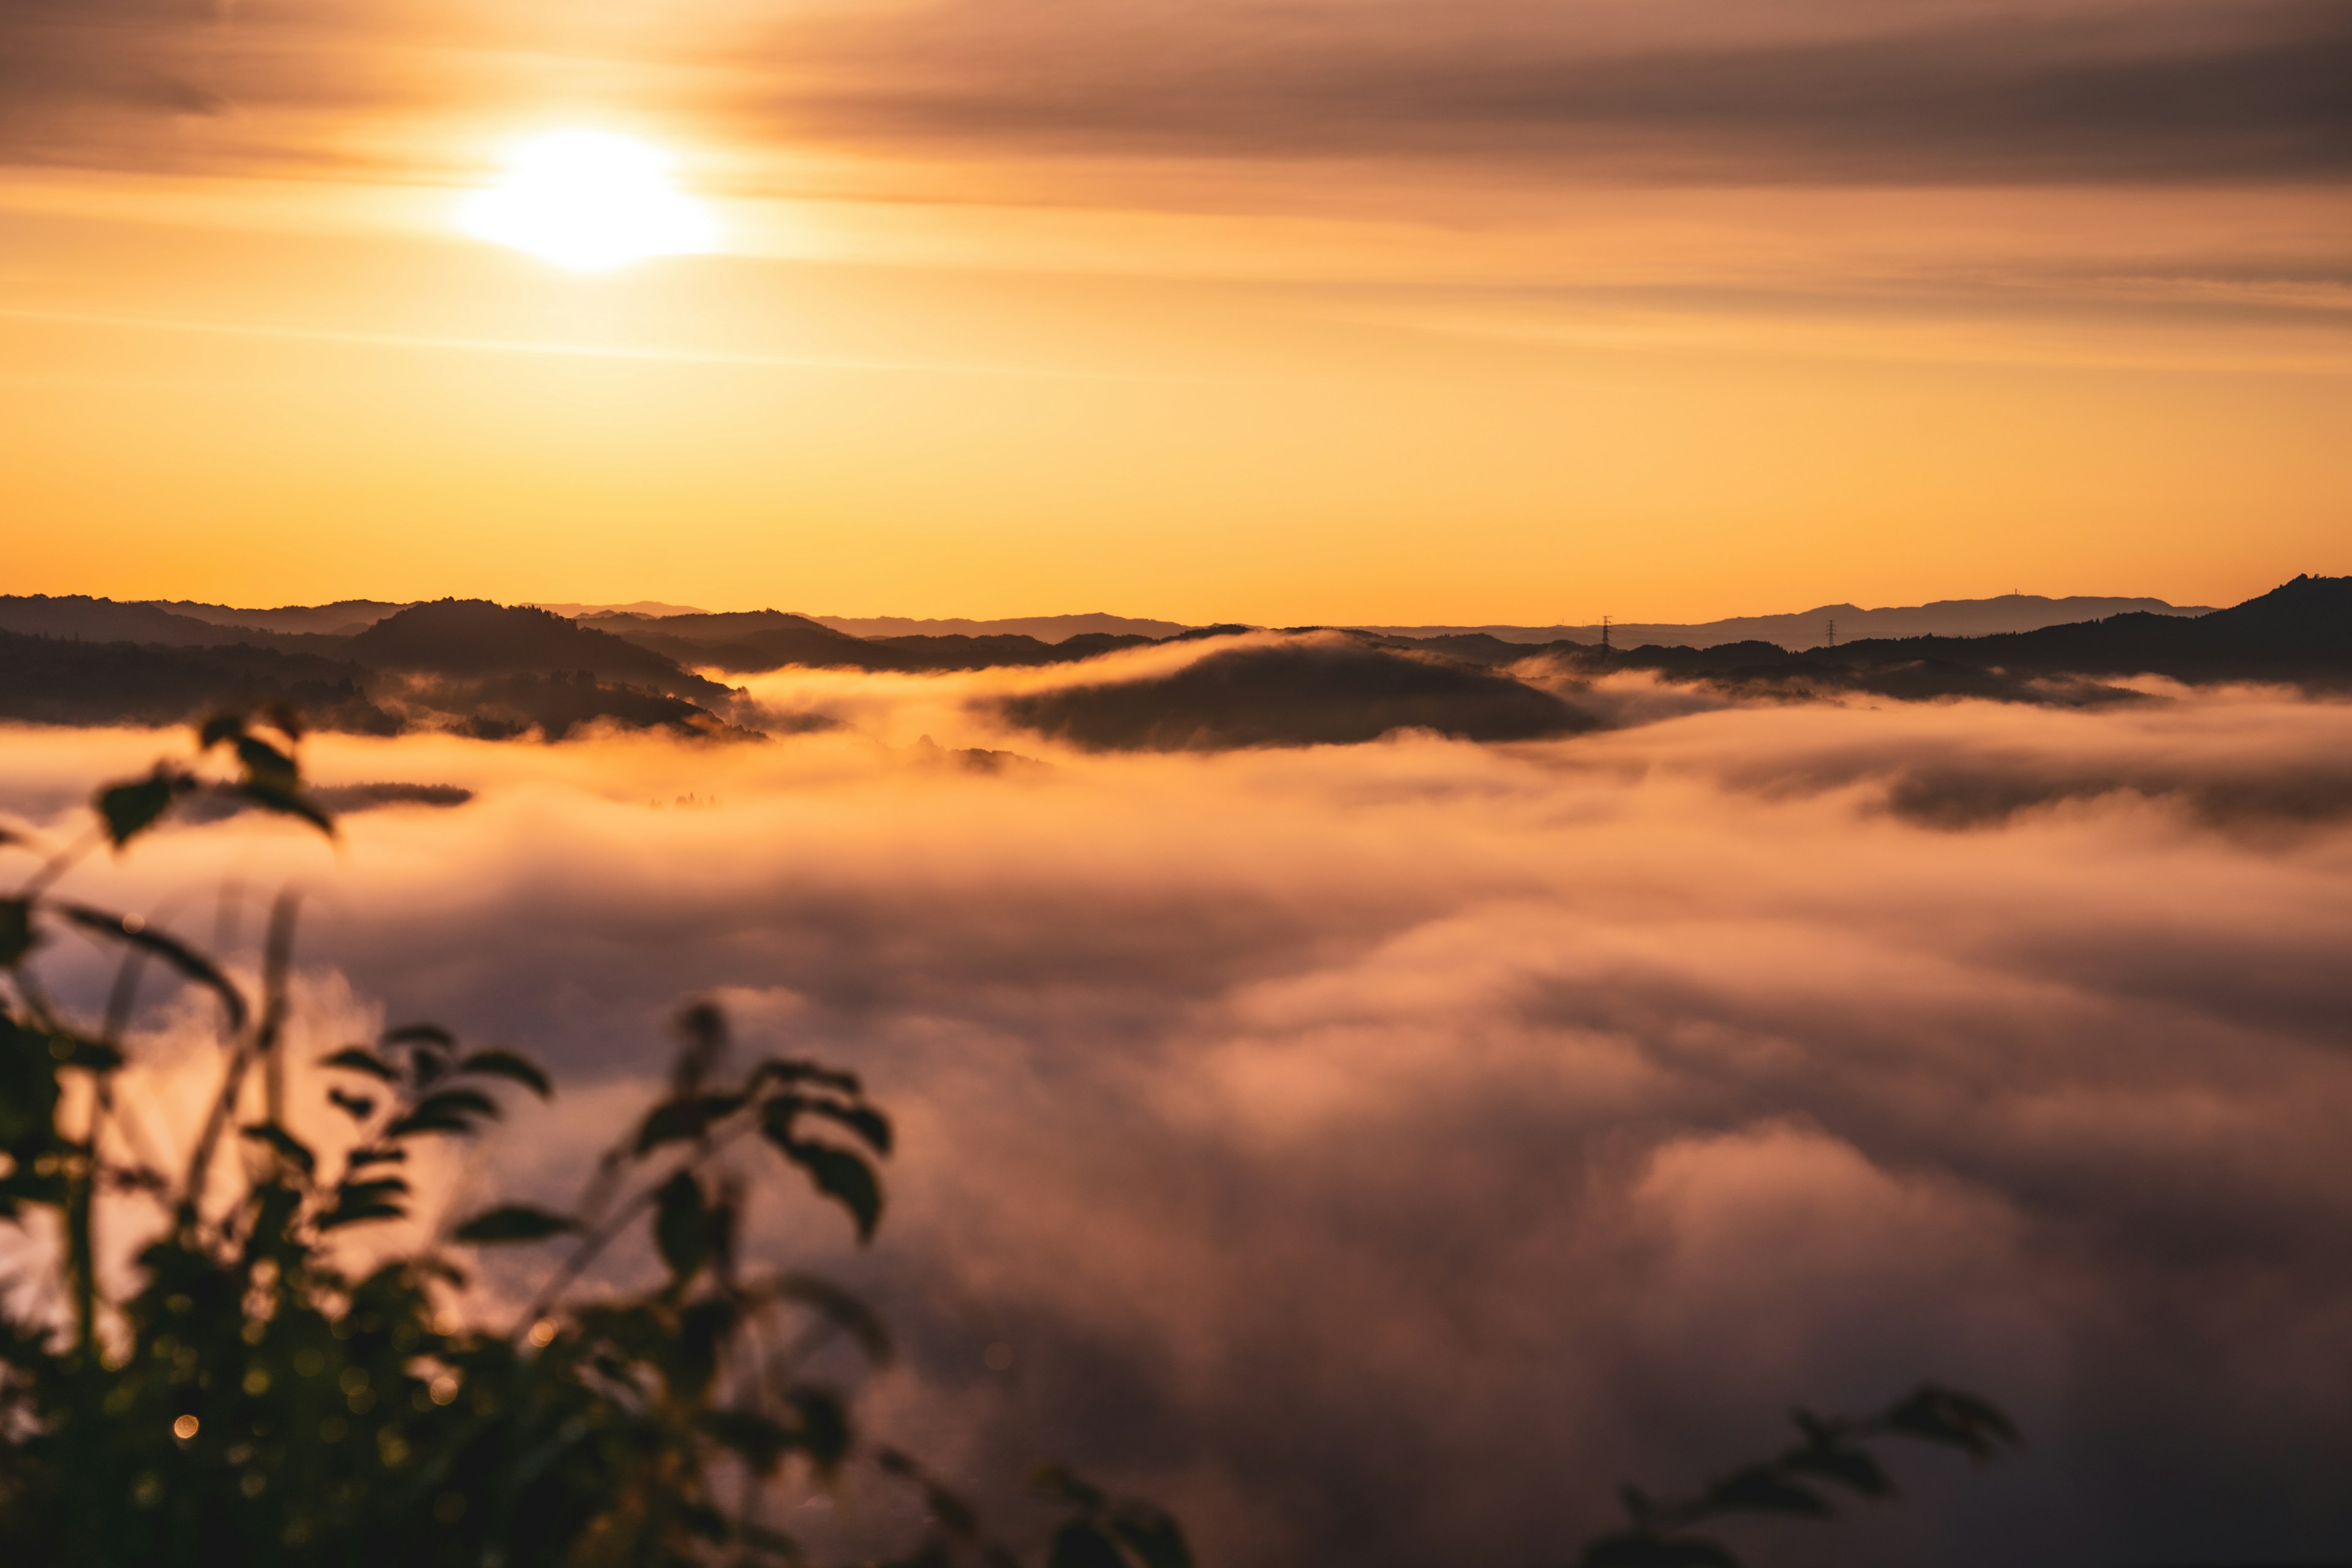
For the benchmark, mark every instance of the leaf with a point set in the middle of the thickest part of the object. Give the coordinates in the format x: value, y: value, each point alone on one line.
x: 359, y: 1157
x: 266, y: 765
x: 129, y: 809
x: 460, y: 1101
x: 1856, y: 1468
x: 1759, y: 1489
x: 219, y: 727
x: 837, y: 1174
x: 1065, y: 1485
x: 445, y: 1111
x: 682, y: 1227
x: 869, y: 1123
x: 180, y: 956
x: 17, y: 934
x: 513, y: 1223
x: 1079, y: 1545
x: 781, y: 1070
x: 1945, y: 1415
x: 429, y: 1046
x: 285, y: 802
x: 1641, y: 1550
x: 703, y: 1521
x: 1152, y: 1535
x: 762, y: 1441
x: 413, y: 1124
x: 29, y: 1094
x: 843, y: 1311
x: 374, y: 1190
x: 703, y: 1327
x: 358, y: 1213
x: 703, y: 1031
x: 432, y: 1268
x: 359, y: 1059
x: 508, y: 1065
x: 676, y: 1120
x: 951, y: 1513
x: 823, y: 1428
x: 284, y: 1142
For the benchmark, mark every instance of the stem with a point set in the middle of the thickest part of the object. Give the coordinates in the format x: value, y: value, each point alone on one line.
x: 263, y: 1043
x: 59, y: 864
x: 278, y: 961
x: 81, y: 1250
x: 596, y: 1240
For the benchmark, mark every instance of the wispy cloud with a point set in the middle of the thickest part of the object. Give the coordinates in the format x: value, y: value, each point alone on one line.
x: 2093, y: 91
x: 2082, y: 93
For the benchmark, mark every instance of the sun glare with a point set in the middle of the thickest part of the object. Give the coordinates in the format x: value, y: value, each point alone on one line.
x: 591, y: 201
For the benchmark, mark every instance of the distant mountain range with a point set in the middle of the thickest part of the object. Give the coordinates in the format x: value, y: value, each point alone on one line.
x: 1044, y: 628
x: 79, y: 616
x: 1802, y: 629
x: 1826, y: 623
x: 499, y: 671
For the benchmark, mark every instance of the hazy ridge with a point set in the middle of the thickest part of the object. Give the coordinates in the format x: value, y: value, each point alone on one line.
x: 499, y: 672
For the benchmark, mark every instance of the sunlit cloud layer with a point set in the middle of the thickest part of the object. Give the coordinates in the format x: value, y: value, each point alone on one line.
x: 1379, y: 1153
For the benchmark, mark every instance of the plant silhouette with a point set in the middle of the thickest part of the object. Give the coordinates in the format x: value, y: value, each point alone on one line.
x: 248, y: 1401
x: 1829, y: 1450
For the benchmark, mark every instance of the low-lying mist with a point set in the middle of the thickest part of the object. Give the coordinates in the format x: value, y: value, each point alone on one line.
x: 1378, y: 1152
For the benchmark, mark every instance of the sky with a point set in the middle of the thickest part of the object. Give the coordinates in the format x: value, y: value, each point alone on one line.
x: 1379, y: 1153
x: 1377, y: 311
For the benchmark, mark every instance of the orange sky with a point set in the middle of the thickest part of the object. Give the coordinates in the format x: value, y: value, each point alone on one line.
x: 1386, y: 312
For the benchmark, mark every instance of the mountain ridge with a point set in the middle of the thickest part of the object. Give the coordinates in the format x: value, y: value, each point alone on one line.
x: 499, y: 671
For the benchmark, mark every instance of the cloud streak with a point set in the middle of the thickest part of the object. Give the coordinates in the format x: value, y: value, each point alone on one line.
x: 2131, y: 92
x: 2156, y: 93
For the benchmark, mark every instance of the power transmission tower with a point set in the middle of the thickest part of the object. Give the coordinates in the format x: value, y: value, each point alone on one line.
x: 1833, y: 634
x: 1604, y: 635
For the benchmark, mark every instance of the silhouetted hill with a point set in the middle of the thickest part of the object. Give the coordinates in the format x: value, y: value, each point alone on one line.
x: 746, y: 642
x: 2300, y: 633
x: 651, y: 609
x: 476, y: 637
x: 557, y: 705
x: 956, y: 652
x: 1810, y: 628
x: 749, y: 642
x: 61, y: 680
x: 1054, y: 629
x: 1326, y: 689
x: 105, y: 620
x: 344, y: 617
x: 496, y: 671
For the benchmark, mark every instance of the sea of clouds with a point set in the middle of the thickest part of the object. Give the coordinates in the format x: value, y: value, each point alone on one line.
x: 1378, y: 1153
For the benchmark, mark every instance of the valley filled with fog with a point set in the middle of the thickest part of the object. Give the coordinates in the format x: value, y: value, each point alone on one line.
x: 1378, y: 1152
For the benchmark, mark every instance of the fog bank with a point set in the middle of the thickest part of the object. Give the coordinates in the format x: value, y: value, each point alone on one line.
x: 1378, y: 1152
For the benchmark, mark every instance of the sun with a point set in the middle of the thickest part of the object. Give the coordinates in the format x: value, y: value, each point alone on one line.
x: 590, y: 201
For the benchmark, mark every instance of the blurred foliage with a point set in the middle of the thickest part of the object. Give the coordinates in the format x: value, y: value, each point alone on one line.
x: 1829, y: 1451
x: 249, y: 1401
